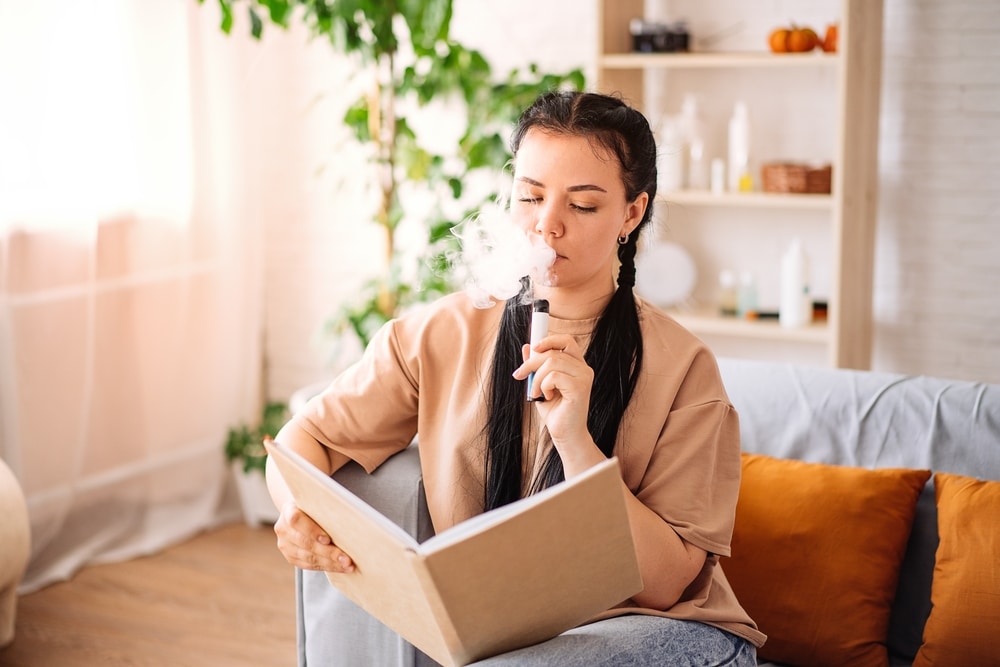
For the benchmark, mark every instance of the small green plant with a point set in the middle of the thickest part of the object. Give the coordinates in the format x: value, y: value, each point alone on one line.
x: 246, y: 443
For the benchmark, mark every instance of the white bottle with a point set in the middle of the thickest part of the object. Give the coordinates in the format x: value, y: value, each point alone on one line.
x: 696, y: 176
x: 796, y: 305
x: 728, y: 297
x: 670, y: 171
x: 718, y: 176
x: 746, y: 303
x: 739, y: 147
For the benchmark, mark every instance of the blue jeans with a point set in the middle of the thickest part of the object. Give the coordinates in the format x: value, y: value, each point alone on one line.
x: 634, y: 641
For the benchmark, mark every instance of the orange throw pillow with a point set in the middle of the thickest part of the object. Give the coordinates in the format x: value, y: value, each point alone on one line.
x: 816, y: 556
x: 963, y: 629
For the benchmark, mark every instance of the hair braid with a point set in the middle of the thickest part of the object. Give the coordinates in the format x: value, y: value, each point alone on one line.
x: 626, y: 255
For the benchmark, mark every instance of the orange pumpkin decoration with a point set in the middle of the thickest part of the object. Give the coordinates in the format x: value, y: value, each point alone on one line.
x: 778, y: 40
x: 829, y: 43
x: 801, y: 40
x: 794, y: 39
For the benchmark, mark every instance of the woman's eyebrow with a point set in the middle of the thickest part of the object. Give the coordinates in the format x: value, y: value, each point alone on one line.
x: 572, y: 188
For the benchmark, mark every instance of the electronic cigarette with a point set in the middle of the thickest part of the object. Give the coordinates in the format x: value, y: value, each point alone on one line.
x: 539, y: 330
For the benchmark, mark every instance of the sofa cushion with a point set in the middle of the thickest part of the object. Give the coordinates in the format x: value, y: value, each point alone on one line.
x: 964, y: 625
x: 816, y: 556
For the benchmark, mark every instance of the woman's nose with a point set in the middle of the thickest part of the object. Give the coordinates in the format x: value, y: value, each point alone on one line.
x: 548, y: 222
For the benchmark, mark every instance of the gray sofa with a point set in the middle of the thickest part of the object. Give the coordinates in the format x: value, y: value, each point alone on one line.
x: 852, y: 418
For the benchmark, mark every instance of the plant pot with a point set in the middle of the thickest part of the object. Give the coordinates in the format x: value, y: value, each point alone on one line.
x: 255, y: 501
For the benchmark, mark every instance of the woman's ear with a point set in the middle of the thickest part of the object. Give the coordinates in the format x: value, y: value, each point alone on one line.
x: 634, y: 212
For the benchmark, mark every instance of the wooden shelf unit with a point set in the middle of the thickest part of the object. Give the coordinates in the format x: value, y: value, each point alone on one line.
x: 851, y: 209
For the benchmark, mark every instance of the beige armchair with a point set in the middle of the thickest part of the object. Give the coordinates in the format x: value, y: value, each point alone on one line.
x: 15, y: 536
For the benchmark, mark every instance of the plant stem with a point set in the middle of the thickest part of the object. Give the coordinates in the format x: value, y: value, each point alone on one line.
x: 382, y: 127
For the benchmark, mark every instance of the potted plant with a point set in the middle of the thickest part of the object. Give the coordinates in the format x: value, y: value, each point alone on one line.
x: 404, y: 50
x: 406, y: 54
x: 247, y: 458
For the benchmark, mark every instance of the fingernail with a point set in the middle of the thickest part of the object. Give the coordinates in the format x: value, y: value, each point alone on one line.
x: 345, y: 562
x: 323, y: 539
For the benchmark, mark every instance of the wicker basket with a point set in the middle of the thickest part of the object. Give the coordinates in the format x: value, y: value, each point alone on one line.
x: 797, y: 178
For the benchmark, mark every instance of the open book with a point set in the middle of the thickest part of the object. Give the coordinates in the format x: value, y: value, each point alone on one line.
x: 515, y: 576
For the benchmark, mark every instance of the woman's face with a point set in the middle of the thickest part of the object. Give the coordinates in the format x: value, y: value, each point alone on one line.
x: 573, y: 200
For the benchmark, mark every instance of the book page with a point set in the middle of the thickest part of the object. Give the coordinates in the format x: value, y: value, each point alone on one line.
x: 539, y: 569
x: 484, y: 521
x: 454, y: 534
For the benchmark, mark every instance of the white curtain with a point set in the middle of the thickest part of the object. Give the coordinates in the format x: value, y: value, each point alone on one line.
x: 129, y: 282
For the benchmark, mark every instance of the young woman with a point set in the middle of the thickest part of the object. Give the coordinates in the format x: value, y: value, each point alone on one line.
x: 618, y: 376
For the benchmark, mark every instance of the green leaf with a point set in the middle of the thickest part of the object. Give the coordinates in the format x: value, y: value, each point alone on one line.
x: 226, y: 22
x: 456, y: 187
x: 487, y: 151
x: 256, y: 25
x: 278, y: 10
x: 356, y: 118
x: 428, y: 21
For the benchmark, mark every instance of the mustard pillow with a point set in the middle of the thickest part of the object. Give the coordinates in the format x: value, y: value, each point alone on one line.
x: 816, y: 553
x: 964, y: 625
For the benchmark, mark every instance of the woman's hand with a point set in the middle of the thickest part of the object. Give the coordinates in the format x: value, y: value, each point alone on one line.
x: 300, y: 539
x: 307, y: 546
x: 564, y: 379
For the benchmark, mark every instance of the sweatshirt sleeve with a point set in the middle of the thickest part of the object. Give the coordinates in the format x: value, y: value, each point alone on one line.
x: 694, y: 475
x: 369, y: 412
x: 684, y: 449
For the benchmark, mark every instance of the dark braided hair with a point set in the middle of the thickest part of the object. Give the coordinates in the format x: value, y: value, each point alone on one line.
x: 615, y: 350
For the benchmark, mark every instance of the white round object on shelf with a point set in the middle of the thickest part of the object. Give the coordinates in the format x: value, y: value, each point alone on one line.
x: 664, y: 274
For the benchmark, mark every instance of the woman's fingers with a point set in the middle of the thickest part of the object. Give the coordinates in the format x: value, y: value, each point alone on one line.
x: 558, y: 371
x: 305, y: 545
x: 559, y: 343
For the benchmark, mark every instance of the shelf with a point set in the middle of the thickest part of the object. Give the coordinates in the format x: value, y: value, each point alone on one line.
x: 787, y: 89
x: 710, y: 60
x: 705, y: 322
x: 811, y: 202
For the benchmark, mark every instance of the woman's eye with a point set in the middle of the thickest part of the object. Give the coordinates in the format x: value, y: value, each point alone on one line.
x: 532, y: 201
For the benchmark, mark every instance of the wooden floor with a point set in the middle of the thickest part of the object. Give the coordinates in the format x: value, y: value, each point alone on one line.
x: 224, y: 599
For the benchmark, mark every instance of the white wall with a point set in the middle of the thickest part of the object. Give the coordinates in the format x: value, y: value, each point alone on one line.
x: 938, y: 247
x: 320, y: 246
x: 937, y: 280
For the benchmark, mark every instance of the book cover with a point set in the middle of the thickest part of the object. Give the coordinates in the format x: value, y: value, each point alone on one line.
x: 509, y: 578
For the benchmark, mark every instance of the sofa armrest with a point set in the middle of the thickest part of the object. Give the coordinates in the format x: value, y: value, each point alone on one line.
x: 332, y: 630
